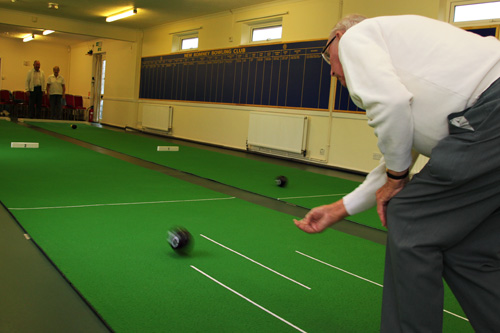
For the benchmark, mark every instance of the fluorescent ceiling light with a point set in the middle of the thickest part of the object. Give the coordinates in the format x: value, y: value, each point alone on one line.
x: 121, y: 15
x: 28, y: 38
x: 47, y: 32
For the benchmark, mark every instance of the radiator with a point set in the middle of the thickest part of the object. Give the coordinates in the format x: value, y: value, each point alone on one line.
x: 287, y: 133
x: 157, y: 117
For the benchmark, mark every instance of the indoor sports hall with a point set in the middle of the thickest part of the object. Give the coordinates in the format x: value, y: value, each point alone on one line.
x: 183, y: 115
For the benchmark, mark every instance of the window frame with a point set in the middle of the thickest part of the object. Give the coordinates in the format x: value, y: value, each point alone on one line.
x: 177, y: 39
x: 452, y: 4
x: 254, y: 28
x: 182, y: 39
x: 248, y: 28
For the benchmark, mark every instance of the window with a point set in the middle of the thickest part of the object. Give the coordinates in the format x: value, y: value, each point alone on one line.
x: 259, y: 31
x: 467, y: 11
x: 189, y: 43
x: 185, y: 40
x: 266, y: 34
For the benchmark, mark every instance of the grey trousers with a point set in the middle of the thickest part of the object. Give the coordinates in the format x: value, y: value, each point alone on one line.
x: 56, y: 107
x: 446, y: 223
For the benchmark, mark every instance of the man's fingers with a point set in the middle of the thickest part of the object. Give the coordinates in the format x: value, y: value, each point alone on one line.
x: 300, y: 223
x: 382, y: 212
x: 304, y: 226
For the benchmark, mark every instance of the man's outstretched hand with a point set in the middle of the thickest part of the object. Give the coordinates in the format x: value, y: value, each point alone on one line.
x: 320, y: 218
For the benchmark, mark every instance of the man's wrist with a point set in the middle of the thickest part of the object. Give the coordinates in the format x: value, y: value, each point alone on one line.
x: 397, y: 175
x: 339, y: 209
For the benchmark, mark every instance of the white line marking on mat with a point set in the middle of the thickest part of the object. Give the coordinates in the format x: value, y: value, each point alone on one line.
x: 248, y: 300
x: 255, y: 262
x: 362, y: 278
x: 123, y: 204
x: 454, y: 314
x: 340, y: 269
x: 315, y: 196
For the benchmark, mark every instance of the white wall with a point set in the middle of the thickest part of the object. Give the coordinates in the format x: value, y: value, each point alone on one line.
x: 75, y: 64
x: 121, y: 86
x: 18, y: 57
x: 337, y: 139
x: 81, y: 70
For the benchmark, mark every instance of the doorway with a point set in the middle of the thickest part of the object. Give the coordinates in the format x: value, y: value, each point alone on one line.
x: 98, y: 80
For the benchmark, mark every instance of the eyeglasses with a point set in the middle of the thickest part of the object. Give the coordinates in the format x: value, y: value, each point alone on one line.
x: 325, y: 54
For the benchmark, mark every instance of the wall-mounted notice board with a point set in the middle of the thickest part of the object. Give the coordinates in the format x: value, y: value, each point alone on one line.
x: 485, y: 31
x: 284, y: 75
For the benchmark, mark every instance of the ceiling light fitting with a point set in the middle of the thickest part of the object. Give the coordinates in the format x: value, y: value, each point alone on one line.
x: 53, y: 5
x: 29, y: 38
x: 47, y: 32
x: 121, y: 15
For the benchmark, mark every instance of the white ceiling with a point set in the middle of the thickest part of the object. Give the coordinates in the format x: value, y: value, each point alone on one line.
x: 150, y: 13
x: 14, y: 31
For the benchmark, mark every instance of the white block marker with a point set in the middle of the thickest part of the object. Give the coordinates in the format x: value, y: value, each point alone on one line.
x: 24, y: 145
x: 168, y: 148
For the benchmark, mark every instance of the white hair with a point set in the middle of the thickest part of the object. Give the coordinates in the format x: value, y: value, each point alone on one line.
x: 346, y: 23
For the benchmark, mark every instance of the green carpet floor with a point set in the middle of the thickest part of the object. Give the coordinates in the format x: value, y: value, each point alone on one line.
x: 104, y: 221
x: 305, y: 189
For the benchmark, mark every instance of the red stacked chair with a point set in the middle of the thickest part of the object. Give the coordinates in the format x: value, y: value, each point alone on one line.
x: 79, y: 108
x: 69, y: 107
x: 6, y: 102
x: 21, y: 102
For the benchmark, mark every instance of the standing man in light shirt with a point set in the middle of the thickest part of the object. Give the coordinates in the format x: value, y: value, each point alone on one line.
x: 56, y: 89
x: 433, y: 88
x: 35, y: 87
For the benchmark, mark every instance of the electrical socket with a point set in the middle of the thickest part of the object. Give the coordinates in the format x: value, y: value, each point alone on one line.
x: 377, y: 156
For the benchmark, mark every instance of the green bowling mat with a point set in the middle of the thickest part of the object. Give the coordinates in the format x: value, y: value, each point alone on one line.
x: 104, y: 222
x: 305, y: 189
